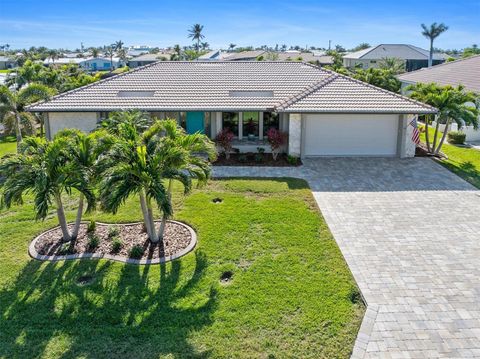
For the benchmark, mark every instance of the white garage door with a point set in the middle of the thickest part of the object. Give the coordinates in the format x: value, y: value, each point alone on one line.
x: 350, y: 135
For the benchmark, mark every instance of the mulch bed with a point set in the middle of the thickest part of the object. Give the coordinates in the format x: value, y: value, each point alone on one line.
x: 250, y: 159
x: 176, y: 238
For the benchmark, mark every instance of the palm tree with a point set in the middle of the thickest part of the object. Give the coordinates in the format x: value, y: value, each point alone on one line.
x: 83, y: 151
x: 12, y: 106
x: 431, y: 33
x: 118, y: 45
x: 189, y: 161
x: 95, y: 52
x: 110, y: 52
x: 205, y: 45
x: 53, y: 54
x: 195, y: 33
x: 122, y: 55
x: 42, y: 168
x: 453, y: 104
x: 231, y: 47
x: 393, y: 64
x: 177, y: 55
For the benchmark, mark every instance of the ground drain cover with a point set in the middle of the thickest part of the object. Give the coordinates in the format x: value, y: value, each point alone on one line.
x: 84, y: 280
x: 226, y: 277
x: 217, y: 200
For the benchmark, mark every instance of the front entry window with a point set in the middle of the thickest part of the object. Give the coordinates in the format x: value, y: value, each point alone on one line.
x: 250, y: 124
x: 230, y: 121
x: 270, y: 119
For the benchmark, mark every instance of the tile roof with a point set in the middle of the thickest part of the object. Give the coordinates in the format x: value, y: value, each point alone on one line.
x: 464, y: 71
x: 207, y: 86
x: 400, y: 51
x: 244, y: 55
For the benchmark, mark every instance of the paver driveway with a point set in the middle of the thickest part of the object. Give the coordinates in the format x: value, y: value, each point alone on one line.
x: 410, y: 233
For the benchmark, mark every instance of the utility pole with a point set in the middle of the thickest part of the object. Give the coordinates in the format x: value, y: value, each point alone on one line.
x: 329, y: 44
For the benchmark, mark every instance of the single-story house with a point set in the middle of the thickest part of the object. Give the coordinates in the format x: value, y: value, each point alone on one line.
x: 63, y: 61
x: 100, y: 63
x: 314, y: 57
x: 414, y: 57
x: 146, y: 59
x: 322, y: 112
x: 6, y: 63
x: 213, y: 55
x: 244, y: 55
x: 464, y: 72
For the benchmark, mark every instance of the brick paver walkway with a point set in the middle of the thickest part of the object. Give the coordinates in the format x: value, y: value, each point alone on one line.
x: 410, y: 233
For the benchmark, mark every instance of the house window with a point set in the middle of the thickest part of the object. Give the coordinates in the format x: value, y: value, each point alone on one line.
x: 182, y: 120
x: 270, y: 119
x: 106, y: 64
x: 207, y: 123
x: 230, y: 121
x: 250, y: 124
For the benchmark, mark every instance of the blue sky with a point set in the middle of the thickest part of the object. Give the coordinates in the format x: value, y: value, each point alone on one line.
x: 56, y: 23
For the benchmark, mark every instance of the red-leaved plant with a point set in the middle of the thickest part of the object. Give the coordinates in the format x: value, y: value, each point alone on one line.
x: 224, y: 139
x: 276, y: 139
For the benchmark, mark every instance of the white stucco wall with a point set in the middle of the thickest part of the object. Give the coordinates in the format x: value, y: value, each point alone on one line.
x: 472, y: 135
x: 409, y: 149
x: 294, y: 134
x: 84, y: 121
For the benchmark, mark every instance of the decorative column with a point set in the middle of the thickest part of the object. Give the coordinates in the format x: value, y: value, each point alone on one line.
x: 295, y: 134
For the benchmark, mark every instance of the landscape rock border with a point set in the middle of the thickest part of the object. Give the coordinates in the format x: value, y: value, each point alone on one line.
x: 35, y: 255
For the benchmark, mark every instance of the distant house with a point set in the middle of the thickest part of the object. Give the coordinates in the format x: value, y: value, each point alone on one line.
x: 146, y: 59
x: 6, y: 63
x: 315, y: 57
x: 100, y: 63
x: 414, y: 57
x: 464, y: 72
x: 244, y: 55
x: 138, y: 50
x: 213, y: 55
x: 62, y: 61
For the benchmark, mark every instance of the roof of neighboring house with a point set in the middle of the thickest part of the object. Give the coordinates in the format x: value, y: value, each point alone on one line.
x: 151, y: 57
x: 63, y: 60
x: 244, y: 55
x: 400, y: 51
x: 464, y: 71
x: 212, y: 55
x: 6, y: 59
x: 239, y: 85
x: 319, y: 57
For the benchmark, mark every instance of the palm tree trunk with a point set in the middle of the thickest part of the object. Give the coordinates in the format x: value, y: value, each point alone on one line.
x: 164, y: 218
x: 427, y: 137
x: 18, y: 131
x: 62, y: 220
x: 437, y: 150
x: 79, y: 217
x: 430, y: 57
x: 148, y: 218
x: 154, y: 238
x: 435, y: 134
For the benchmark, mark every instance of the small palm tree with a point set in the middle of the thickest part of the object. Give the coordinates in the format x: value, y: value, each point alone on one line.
x: 195, y: 33
x: 118, y: 45
x: 53, y: 54
x: 177, y: 53
x: 12, y: 106
x: 431, y: 33
x: 453, y: 103
x: 231, y: 47
x: 95, y: 52
x: 393, y: 64
x: 205, y: 45
x: 43, y: 168
x: 110, y: 52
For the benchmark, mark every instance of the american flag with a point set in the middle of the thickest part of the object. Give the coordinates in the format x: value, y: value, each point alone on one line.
x: 416, y: 132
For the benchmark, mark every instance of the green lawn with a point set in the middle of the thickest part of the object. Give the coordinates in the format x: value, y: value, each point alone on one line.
x: 292, y: 294
x: 7, y: 145
x: 465, y: 162
x: 5, y: 71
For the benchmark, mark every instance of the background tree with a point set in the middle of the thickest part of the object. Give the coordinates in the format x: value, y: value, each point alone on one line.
x: 385, y: 79
x: 361, y: 46
x: 177, y: 53
x: 195, y: 33
x: 471, y: 51
x: 453, y: 103
x: 43, y: 169
x: 53, y: 54
x: 392, y: 64
x: 13, y: 103
x: 431, y: 33
x: 110, y: 52
x: 118, y: 45
x: 231, y: 47
x: 95, y: 52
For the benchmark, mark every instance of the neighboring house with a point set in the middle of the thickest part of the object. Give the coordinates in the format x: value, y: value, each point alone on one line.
x: 63, y: 61
x: 323, y: 113
x: 464, y: 72
x: 6, y: 63
x: 244, y: 55
x: 213, y: 55
x: 146, y: 59
x: 315, y: 57
x: 138, y: 50
x: 414, y: 57
x: 100, y: 63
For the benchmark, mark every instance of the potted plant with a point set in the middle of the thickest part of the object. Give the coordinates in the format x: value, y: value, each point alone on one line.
x: 224, y: 139
x: 276, y: 139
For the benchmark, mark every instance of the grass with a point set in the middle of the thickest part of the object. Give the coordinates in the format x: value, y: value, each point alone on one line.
x: 5, y: 71
x: 463, y: 161
x: 8, y: 145
x: 291, y: 295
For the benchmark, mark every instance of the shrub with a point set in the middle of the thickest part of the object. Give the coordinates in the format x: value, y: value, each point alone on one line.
x: 117, y: 244
x: 276, y: 139
x: 456, y: 137
x: 136, y: 252
x: 66, y: 248
x: 93, y: 242
x: 224, y: 139
x: 293, y: 160
x: 91, y: 226
x: 113, y: 231
x: 261, y: 150
x: 258, y: 158
x: 242, y: 158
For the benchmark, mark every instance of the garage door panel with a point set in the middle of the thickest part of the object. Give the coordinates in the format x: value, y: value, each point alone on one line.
x: 351, y: 135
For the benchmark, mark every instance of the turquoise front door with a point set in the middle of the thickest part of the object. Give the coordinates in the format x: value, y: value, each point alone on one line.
x: 195, y: 122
